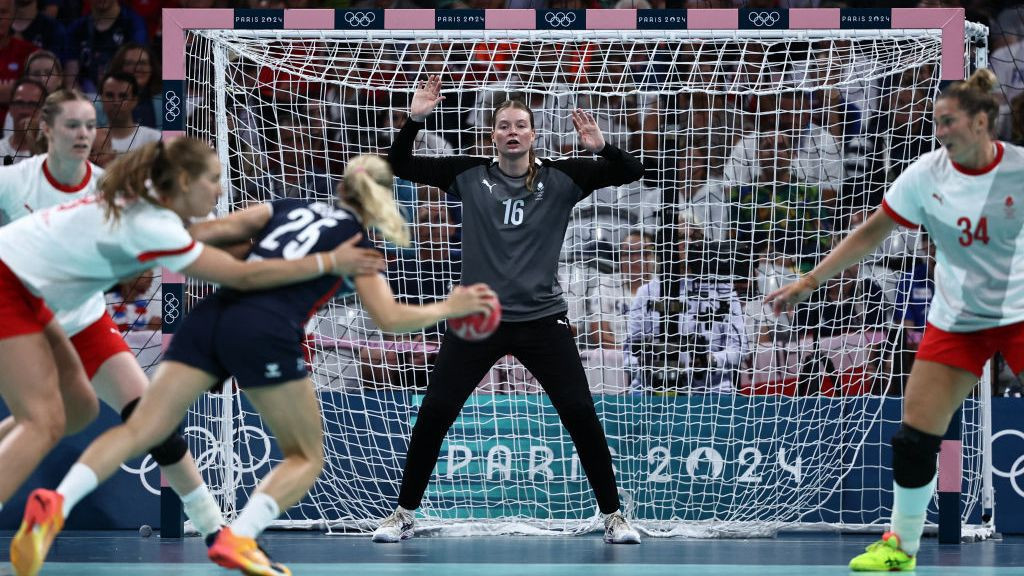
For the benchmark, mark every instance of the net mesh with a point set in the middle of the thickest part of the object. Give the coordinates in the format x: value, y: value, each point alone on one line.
x: 760, y: 152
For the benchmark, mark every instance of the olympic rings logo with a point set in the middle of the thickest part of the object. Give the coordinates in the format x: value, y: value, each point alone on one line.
x: 768, y: 18
x: 1017, y: 470
x: 360, y: 19
x: 172, y: 308
x: 560, y: 19
x: 172, y: 106
x: 212, y: 457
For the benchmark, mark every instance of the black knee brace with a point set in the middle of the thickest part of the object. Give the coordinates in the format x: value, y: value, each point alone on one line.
x: 166, y: 453
x: 913, y: 457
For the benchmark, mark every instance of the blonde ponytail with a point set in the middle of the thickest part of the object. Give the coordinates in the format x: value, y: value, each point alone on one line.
x: 369, y: 184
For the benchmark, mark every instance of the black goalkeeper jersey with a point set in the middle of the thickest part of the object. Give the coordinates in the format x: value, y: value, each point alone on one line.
x: 511, y: 237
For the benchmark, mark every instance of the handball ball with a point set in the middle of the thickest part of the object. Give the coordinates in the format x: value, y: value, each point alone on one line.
x: 478, y: 325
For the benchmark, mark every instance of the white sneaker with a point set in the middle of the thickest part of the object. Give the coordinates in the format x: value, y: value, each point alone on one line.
x: 618, y: 531
x: 394, y: 528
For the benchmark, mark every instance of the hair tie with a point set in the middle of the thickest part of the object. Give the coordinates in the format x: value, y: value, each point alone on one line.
x: 357, y: 169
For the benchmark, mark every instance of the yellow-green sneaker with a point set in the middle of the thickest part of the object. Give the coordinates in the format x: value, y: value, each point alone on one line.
x: 884, y: 556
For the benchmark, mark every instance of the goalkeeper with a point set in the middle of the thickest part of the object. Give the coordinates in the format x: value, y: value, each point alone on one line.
x: 515, y: 212
x: 965, y: 194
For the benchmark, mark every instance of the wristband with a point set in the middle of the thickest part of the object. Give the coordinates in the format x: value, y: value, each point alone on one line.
x: 319, y: 263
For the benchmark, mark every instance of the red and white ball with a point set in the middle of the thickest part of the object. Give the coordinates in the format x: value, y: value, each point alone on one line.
x: 477, y: 326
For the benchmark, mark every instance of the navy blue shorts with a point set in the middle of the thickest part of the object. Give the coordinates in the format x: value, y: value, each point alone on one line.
x: 227, y: 337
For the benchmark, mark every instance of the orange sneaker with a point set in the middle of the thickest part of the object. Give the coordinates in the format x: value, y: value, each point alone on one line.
x: 44, y: 519
x: 241, y: 553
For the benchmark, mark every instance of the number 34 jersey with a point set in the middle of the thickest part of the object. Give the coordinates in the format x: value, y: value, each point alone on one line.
x: 976, y: 220
x: 296, y: 229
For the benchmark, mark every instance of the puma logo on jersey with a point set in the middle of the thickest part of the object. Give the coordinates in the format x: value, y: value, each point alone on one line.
x: 273, y: 370
x: 27, y: 207
x: 937, y: 197
x: 490, y: 187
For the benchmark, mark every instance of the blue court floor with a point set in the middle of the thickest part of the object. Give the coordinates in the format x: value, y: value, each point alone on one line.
x: 315, y: 554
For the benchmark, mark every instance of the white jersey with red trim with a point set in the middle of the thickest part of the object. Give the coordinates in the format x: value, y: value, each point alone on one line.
x: 69, y: 253
x: 29, y: 186
x: 976, y: 220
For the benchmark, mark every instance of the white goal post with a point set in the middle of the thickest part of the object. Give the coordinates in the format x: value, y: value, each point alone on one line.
x: 770, y: 133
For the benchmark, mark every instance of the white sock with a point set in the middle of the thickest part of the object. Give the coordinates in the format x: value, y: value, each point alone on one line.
x: 79, y: 482
x: 202, y: 510
x: 258, y: 513
x: 909, y: 508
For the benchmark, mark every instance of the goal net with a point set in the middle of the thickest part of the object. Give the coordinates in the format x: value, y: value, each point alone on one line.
x: 762, y: 149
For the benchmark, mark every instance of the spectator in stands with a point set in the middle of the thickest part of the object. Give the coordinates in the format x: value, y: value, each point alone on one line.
x: 44, y: 67
x: 138, y: 60
x: 1008, y: 64
x: 778, y: 213
x: 291, y: 166
x: 23, y: 140
x: 36, y: 27
x: 605, y: 314
x: 119, y: 96
x: 1017, y: 127
x: 841, y: 111
x: 13, y: 53
x: 900, y: 134
x: 687, y: 330
x: 95, y: 38
x: 913, y: 300
x: 816, y: 155
x: 420, y: 276
x: 703, y: 191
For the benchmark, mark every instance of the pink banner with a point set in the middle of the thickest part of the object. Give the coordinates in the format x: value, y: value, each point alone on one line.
x: 611, y: 19
x: 510, y: 20
x: 814, y: 18
x: 700, y: 19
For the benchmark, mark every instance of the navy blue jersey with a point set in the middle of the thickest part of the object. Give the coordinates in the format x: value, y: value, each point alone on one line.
x: 296, y: 229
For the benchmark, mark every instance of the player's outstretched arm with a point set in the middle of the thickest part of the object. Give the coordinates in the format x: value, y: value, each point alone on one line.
x: 392, y: 316
x: 215, y: 265
x: 851, y: 250
x: 231, y: 229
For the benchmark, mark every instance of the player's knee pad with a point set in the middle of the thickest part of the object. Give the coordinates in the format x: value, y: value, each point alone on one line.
x: 168, y: 452
x: 913, y: 457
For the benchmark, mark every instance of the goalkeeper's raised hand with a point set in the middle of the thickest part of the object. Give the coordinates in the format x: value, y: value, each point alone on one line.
x: 425, y: 99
